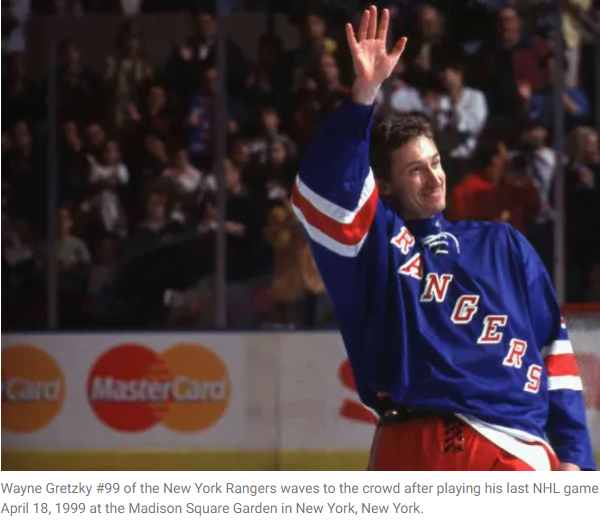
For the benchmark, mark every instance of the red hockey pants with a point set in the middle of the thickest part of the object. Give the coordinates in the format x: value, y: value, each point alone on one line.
x: 439, y: 443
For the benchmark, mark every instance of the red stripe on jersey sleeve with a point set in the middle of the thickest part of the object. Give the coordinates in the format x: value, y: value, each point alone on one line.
x: 346, y: 233
x: 562, y: 365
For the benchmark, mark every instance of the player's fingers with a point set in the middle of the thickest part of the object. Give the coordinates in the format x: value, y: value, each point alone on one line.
x: 383, y: 25
x: 372, y: 31
x: 351, y: 39
x: 364, y: 25
x: 398, y: 48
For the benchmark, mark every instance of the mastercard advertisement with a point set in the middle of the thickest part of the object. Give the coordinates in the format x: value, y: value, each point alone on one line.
x: 33, y: 388
x: 127, y: 388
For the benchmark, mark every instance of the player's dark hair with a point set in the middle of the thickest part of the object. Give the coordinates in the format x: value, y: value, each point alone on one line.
x: 390, y: 133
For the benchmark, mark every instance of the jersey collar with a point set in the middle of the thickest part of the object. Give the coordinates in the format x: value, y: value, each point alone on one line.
x: 427, y: 227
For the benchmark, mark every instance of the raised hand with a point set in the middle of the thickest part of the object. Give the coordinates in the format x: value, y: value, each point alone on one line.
x: 372, y: 63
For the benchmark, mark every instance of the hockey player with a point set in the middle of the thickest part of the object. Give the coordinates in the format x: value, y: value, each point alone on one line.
x: 453, y: 331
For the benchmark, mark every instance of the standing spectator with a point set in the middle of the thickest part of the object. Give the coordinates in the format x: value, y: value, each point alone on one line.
x: 284, y: 236
x: 266, y: 82
x: 125, y: 76
x: 541, y: 102
x: 95, y: 140
x: 150, y: 263
x: 14, y: 17
x: 20, y: 174
x: 73, y: 164
x: 79, y: 89
x: 201, y: 120
x: 492, y: 193
x: 199, y: 52
x: 108, y: 180
x: 404, y: 97
x: 73, y: 260
x: 154, y: 160
x: 103, y: 307
x: 583, y: 205
x: 332, y: 90
x: 20, y: 94
x: 538, y: 161
x: 242, y: 239
x: 183, y: 174
x: 314, y: 42
x: 276, y: 176
x: 428, y: 46
x: 317, y: 306
x: 509, y: 60
x: 459, y: 116
x: 155, y: 118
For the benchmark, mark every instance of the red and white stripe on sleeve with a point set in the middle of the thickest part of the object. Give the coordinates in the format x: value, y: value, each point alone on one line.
x: 561, y: 364
x: 339, y: 230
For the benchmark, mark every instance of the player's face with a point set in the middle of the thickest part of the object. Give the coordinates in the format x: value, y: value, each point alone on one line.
x: 418, y: 182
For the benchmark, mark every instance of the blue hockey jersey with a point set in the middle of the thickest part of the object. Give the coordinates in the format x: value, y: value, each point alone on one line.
x: 458, y: 318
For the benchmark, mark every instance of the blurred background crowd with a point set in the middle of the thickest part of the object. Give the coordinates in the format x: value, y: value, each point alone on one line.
x: 135, y: 200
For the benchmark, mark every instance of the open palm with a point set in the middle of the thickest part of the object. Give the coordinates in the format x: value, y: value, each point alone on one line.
x: 372, y: 63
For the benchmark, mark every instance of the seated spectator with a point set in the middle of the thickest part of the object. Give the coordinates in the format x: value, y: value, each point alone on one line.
x: 512, y: 58
x: 125, y: 75
x: 541, y: 102
x: 404, y: 97
x: 269, y: 128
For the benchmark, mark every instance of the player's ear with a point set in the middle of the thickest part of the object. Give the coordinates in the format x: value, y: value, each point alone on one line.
x: 384, y: 187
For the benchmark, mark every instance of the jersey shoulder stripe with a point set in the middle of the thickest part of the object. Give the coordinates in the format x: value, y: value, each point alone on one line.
x: 341, y: 231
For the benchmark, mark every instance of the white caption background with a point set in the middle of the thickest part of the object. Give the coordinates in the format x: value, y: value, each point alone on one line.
x: 407, y: 500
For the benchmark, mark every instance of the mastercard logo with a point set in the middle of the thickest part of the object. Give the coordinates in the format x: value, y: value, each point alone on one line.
x: 33, y: 388
x: 131, y: 388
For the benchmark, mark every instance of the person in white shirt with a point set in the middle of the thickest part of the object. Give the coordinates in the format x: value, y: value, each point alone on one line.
x: 404, y: 97
x: 107, y: 177
x: 186, y: 177
x: 460, y: 114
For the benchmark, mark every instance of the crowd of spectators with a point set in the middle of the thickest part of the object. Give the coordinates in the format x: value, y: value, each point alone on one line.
x: 137, y: 203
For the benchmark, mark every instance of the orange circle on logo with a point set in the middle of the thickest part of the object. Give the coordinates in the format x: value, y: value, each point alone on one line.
x: 33, y: 388
x: 201, y: 387
x: 131, y: 388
